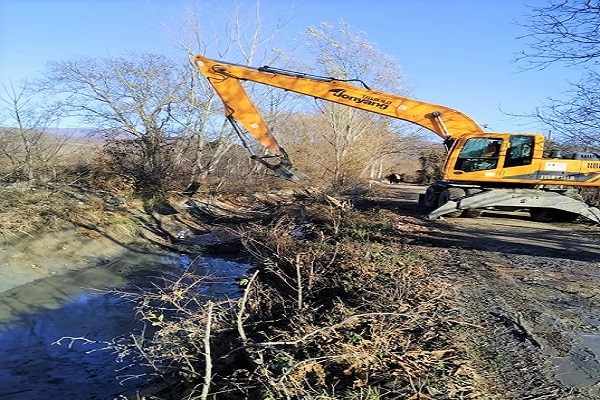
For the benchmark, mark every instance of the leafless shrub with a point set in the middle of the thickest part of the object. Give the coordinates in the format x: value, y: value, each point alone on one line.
x: 356, y: 316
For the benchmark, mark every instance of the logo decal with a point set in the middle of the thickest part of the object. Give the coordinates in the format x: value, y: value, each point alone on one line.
x: 364, y: 99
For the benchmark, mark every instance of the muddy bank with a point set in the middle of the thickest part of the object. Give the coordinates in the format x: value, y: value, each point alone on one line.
x: 51, y: 254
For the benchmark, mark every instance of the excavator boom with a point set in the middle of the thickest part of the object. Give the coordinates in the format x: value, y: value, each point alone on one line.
x: 225, y: 78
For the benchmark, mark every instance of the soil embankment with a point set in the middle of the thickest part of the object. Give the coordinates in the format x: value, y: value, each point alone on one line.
x: 57, y: 307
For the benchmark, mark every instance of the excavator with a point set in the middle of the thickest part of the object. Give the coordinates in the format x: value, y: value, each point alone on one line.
x: 482, y: 170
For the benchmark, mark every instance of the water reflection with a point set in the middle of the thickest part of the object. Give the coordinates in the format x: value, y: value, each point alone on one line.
x: 36, y: 316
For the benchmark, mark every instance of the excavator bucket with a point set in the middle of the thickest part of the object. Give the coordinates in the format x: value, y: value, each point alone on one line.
x: 283, y: 168
x: 290, y: 173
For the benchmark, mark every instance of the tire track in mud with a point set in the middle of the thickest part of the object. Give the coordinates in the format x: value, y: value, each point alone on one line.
x: 534, y: 292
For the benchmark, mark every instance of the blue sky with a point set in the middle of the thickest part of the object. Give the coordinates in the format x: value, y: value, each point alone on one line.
x: 456, y: 53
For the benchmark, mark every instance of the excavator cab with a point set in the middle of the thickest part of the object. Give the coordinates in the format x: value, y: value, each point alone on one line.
x: 485, y: 153
x: 493, y: 158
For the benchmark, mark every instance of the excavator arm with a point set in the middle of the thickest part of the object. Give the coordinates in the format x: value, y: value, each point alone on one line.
x: 226, y: 79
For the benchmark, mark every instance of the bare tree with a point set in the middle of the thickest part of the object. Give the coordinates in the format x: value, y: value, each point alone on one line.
x: 567, y: 32
x: 356, y: 139
x: 156, y: 113
x: 243, y: 33
x: 576, y: 119
x: 27, y: 149
x: 146, y: 105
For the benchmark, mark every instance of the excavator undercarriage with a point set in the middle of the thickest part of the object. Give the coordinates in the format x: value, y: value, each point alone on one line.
x: 470, y: 201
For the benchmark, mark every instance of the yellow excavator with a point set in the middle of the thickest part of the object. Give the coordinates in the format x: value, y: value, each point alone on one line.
x: 502, y: 171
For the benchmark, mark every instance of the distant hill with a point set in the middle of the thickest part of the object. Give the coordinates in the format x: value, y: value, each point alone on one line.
x: 72, y: 132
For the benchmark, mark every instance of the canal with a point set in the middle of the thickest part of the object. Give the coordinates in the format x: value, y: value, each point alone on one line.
x: 37, y: 358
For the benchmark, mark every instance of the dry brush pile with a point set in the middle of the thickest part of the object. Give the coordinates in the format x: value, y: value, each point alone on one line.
x: 338, y: 308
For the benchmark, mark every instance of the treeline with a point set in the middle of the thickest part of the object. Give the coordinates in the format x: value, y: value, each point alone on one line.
x: 155, y: 125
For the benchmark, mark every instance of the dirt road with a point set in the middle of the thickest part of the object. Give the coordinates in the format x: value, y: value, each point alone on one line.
x: 528, y: 294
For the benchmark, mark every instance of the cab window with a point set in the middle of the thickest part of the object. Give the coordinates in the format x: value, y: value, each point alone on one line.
x: 520, y: 151
x: 479, y: 154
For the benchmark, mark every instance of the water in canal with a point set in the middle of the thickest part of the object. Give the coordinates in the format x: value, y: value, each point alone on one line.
x: 35, y: 316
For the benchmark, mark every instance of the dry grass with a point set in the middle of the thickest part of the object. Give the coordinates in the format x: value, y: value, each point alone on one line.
x: 26, y: 210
